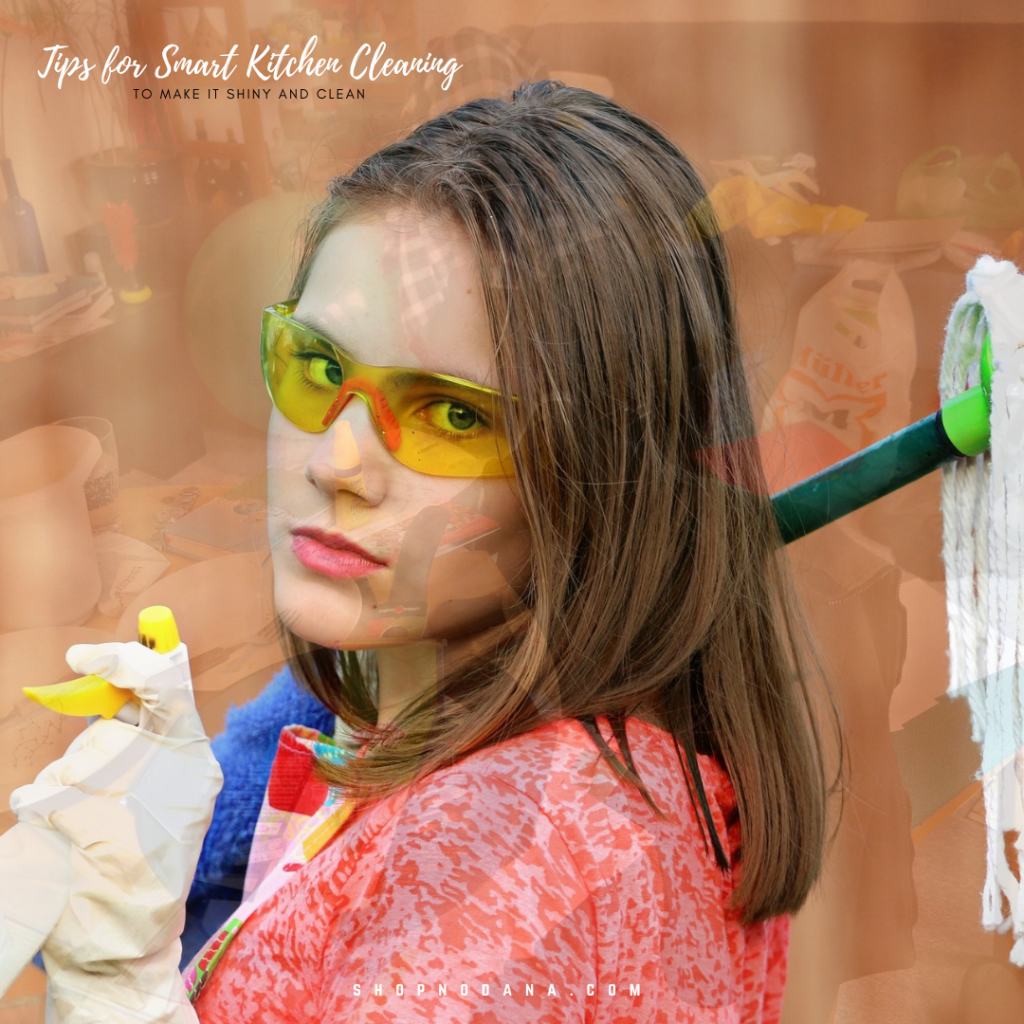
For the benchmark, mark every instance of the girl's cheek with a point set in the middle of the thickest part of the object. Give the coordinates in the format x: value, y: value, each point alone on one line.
x: 466, y: 587
x: 288, y: 450
x: 466, y: 575
x: 290, y: 496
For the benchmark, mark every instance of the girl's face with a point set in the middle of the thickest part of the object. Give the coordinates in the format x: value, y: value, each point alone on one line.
x: 452, y: 554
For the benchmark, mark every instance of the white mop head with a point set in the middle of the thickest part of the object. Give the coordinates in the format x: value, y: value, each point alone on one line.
x: 983, y: 548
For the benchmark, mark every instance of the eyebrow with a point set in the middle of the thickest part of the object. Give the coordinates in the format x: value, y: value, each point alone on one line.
x: 316, y: 325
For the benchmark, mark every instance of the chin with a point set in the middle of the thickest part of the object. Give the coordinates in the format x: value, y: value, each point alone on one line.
x: 331, y: 613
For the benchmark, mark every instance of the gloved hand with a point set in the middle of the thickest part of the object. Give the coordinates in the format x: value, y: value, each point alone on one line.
x: 134, y: 802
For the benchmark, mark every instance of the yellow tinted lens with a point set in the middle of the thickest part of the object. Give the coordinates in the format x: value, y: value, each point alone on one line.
x: 303, y: 374
x: 447, y: 429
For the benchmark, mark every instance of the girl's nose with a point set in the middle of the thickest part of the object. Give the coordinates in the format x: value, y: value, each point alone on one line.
x: 349, y: 458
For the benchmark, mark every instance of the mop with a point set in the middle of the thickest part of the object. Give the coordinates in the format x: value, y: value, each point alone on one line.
x: 983, y: 550
x: 977, y: 437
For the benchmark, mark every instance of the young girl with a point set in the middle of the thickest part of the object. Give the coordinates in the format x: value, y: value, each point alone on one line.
x: 523, y: 550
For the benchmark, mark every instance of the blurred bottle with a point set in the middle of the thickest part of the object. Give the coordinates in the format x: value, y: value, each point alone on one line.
x: 208, y: 176
x: 237, y: 187
x: 20, y: 232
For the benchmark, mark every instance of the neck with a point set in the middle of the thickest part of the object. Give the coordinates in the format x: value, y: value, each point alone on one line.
x: 404, y: 672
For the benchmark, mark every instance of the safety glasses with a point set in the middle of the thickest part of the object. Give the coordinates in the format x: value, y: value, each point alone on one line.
x: 430, y: 422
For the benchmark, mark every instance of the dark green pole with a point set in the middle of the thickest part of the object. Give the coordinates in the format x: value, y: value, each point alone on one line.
x: 959, y: 428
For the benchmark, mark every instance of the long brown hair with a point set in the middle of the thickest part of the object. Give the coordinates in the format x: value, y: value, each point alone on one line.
x: 657, y: 575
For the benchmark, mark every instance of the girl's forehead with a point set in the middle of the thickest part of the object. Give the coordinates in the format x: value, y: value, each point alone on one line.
x: 402, y: 289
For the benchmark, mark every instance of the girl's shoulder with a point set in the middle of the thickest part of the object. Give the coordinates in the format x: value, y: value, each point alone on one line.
x: 564, y: 750
x: 554, y: 781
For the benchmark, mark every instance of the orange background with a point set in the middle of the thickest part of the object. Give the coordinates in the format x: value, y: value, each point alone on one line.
x: 893, y: 931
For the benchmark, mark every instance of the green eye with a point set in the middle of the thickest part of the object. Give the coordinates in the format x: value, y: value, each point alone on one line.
x: 462, y: 417
x: 454, y: 417
x: 325, y: 371
x: 321, y: 370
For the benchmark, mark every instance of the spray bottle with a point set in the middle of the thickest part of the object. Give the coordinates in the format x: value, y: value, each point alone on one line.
x: 35, y: 862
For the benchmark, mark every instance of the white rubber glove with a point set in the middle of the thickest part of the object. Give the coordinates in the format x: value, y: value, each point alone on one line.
x: 35, y: 866
x: 134, y: 802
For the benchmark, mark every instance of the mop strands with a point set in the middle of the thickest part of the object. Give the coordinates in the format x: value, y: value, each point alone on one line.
x: 983, y: 550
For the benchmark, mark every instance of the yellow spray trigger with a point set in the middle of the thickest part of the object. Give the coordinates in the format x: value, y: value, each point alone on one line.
x: 87, y: 695
x: 94, y: 695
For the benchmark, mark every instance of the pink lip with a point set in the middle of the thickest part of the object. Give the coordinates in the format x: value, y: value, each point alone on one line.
x: 330, y: 554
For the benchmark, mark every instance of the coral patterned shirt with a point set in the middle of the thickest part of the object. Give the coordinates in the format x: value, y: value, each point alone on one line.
x: 523, y: 884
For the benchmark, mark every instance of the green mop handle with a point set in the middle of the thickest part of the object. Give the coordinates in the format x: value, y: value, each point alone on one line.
x: 959, y: 428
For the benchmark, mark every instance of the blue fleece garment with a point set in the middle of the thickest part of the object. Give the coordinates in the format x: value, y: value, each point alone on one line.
x: 245, y: 751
